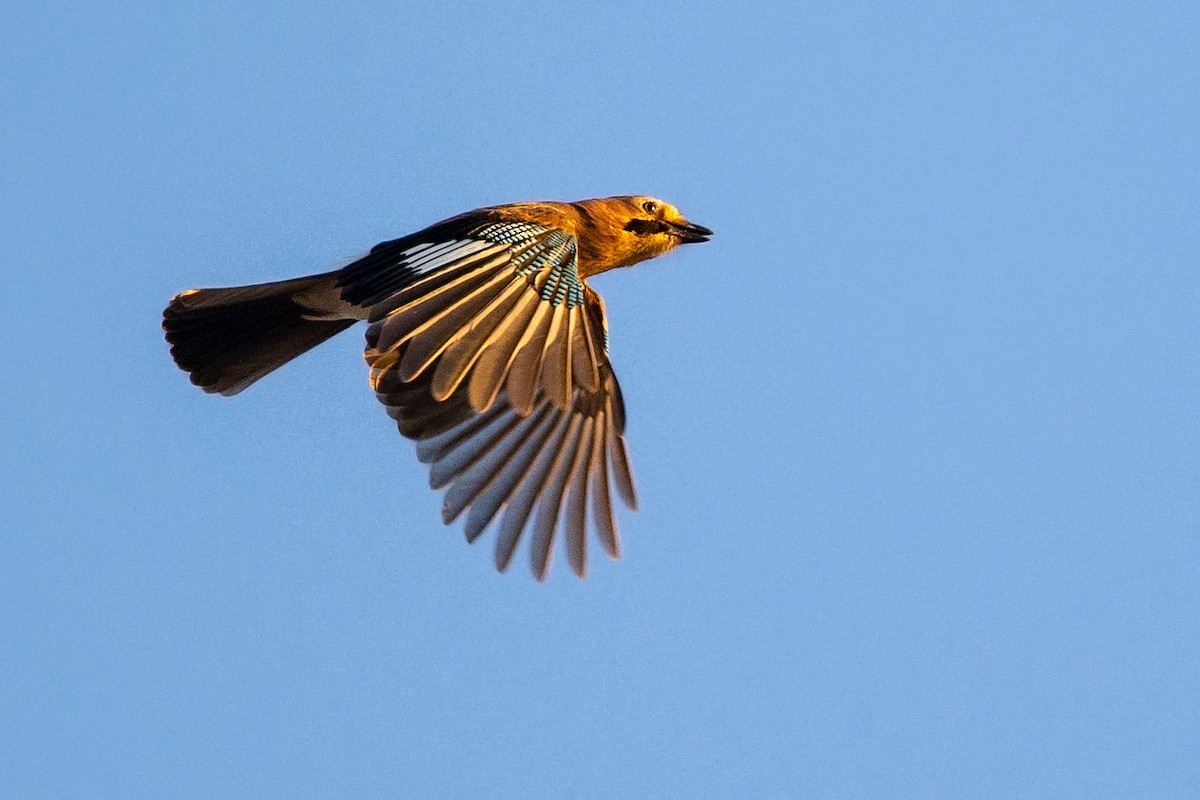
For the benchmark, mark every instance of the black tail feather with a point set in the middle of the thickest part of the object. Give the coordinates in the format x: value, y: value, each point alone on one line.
x: 229, y: 338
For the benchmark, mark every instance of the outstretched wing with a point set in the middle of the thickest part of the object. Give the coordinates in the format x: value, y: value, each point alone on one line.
x: 490, y: 352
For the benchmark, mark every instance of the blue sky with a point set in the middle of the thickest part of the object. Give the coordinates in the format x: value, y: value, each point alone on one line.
x: 916, y: 434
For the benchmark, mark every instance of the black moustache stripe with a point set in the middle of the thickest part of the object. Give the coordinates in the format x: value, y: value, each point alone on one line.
x: 644, y: 227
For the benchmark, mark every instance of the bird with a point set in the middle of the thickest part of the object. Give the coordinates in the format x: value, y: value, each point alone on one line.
x: 487, y: 347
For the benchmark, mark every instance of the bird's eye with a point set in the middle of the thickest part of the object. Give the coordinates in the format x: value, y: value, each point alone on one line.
x: 650, y: 206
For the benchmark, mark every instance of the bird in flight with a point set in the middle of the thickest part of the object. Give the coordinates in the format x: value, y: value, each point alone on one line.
x: 487, y: 347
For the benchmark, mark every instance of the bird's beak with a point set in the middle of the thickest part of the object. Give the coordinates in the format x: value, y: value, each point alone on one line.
x: 687, y: 232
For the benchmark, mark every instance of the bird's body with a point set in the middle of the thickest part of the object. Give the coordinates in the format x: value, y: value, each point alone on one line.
x: 485, y: 344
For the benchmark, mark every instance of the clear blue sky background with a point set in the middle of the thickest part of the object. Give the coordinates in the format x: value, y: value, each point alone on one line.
x: 917, y: 434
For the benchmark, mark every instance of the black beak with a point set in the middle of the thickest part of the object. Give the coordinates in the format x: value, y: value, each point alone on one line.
x: 688, y: 232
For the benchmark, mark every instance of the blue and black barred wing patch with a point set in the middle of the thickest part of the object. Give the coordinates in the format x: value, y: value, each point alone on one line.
x: 498, y: 306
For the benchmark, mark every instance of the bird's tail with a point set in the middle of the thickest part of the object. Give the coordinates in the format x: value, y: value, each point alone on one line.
x: 229, y: 338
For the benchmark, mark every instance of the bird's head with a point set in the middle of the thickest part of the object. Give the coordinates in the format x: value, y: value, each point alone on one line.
x: 632, y: 229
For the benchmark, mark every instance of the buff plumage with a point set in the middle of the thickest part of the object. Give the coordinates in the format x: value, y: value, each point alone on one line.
x: 487, y: 347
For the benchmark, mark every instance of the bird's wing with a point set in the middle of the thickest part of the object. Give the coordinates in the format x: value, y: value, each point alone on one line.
x: 490, y: 352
